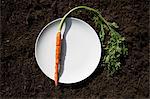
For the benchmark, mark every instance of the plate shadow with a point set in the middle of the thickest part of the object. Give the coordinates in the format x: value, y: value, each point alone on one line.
x: 64, y: 46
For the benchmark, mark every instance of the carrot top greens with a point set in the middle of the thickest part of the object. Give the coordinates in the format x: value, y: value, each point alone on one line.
x: 114, y: 48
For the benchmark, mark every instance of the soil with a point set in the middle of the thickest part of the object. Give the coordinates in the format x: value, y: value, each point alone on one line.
x: 22, y: 20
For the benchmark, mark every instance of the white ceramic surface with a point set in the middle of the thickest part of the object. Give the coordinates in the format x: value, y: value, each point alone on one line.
x: 81, y: 50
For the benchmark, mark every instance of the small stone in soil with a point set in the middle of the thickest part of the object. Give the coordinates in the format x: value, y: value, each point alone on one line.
x: 7, y: 41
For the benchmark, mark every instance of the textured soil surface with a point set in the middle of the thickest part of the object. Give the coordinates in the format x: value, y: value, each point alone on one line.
x: 22, y: 20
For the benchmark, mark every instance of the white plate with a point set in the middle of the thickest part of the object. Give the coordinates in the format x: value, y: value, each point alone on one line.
x: 81, y: 50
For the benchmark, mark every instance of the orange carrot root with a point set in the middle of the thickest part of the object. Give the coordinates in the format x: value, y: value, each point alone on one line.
x: 58, y: 48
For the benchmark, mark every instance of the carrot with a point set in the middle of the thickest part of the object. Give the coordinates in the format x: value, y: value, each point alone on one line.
x: 58, y: 38
x: 58, y: 48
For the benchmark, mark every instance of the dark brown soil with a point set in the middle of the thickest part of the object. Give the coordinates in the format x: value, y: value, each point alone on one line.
x: 22, y: 20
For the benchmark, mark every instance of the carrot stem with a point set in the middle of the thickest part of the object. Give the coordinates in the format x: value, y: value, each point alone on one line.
x: 81, y: 7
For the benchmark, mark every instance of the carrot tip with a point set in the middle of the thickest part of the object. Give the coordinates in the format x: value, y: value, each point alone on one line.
x: 56, y: 83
